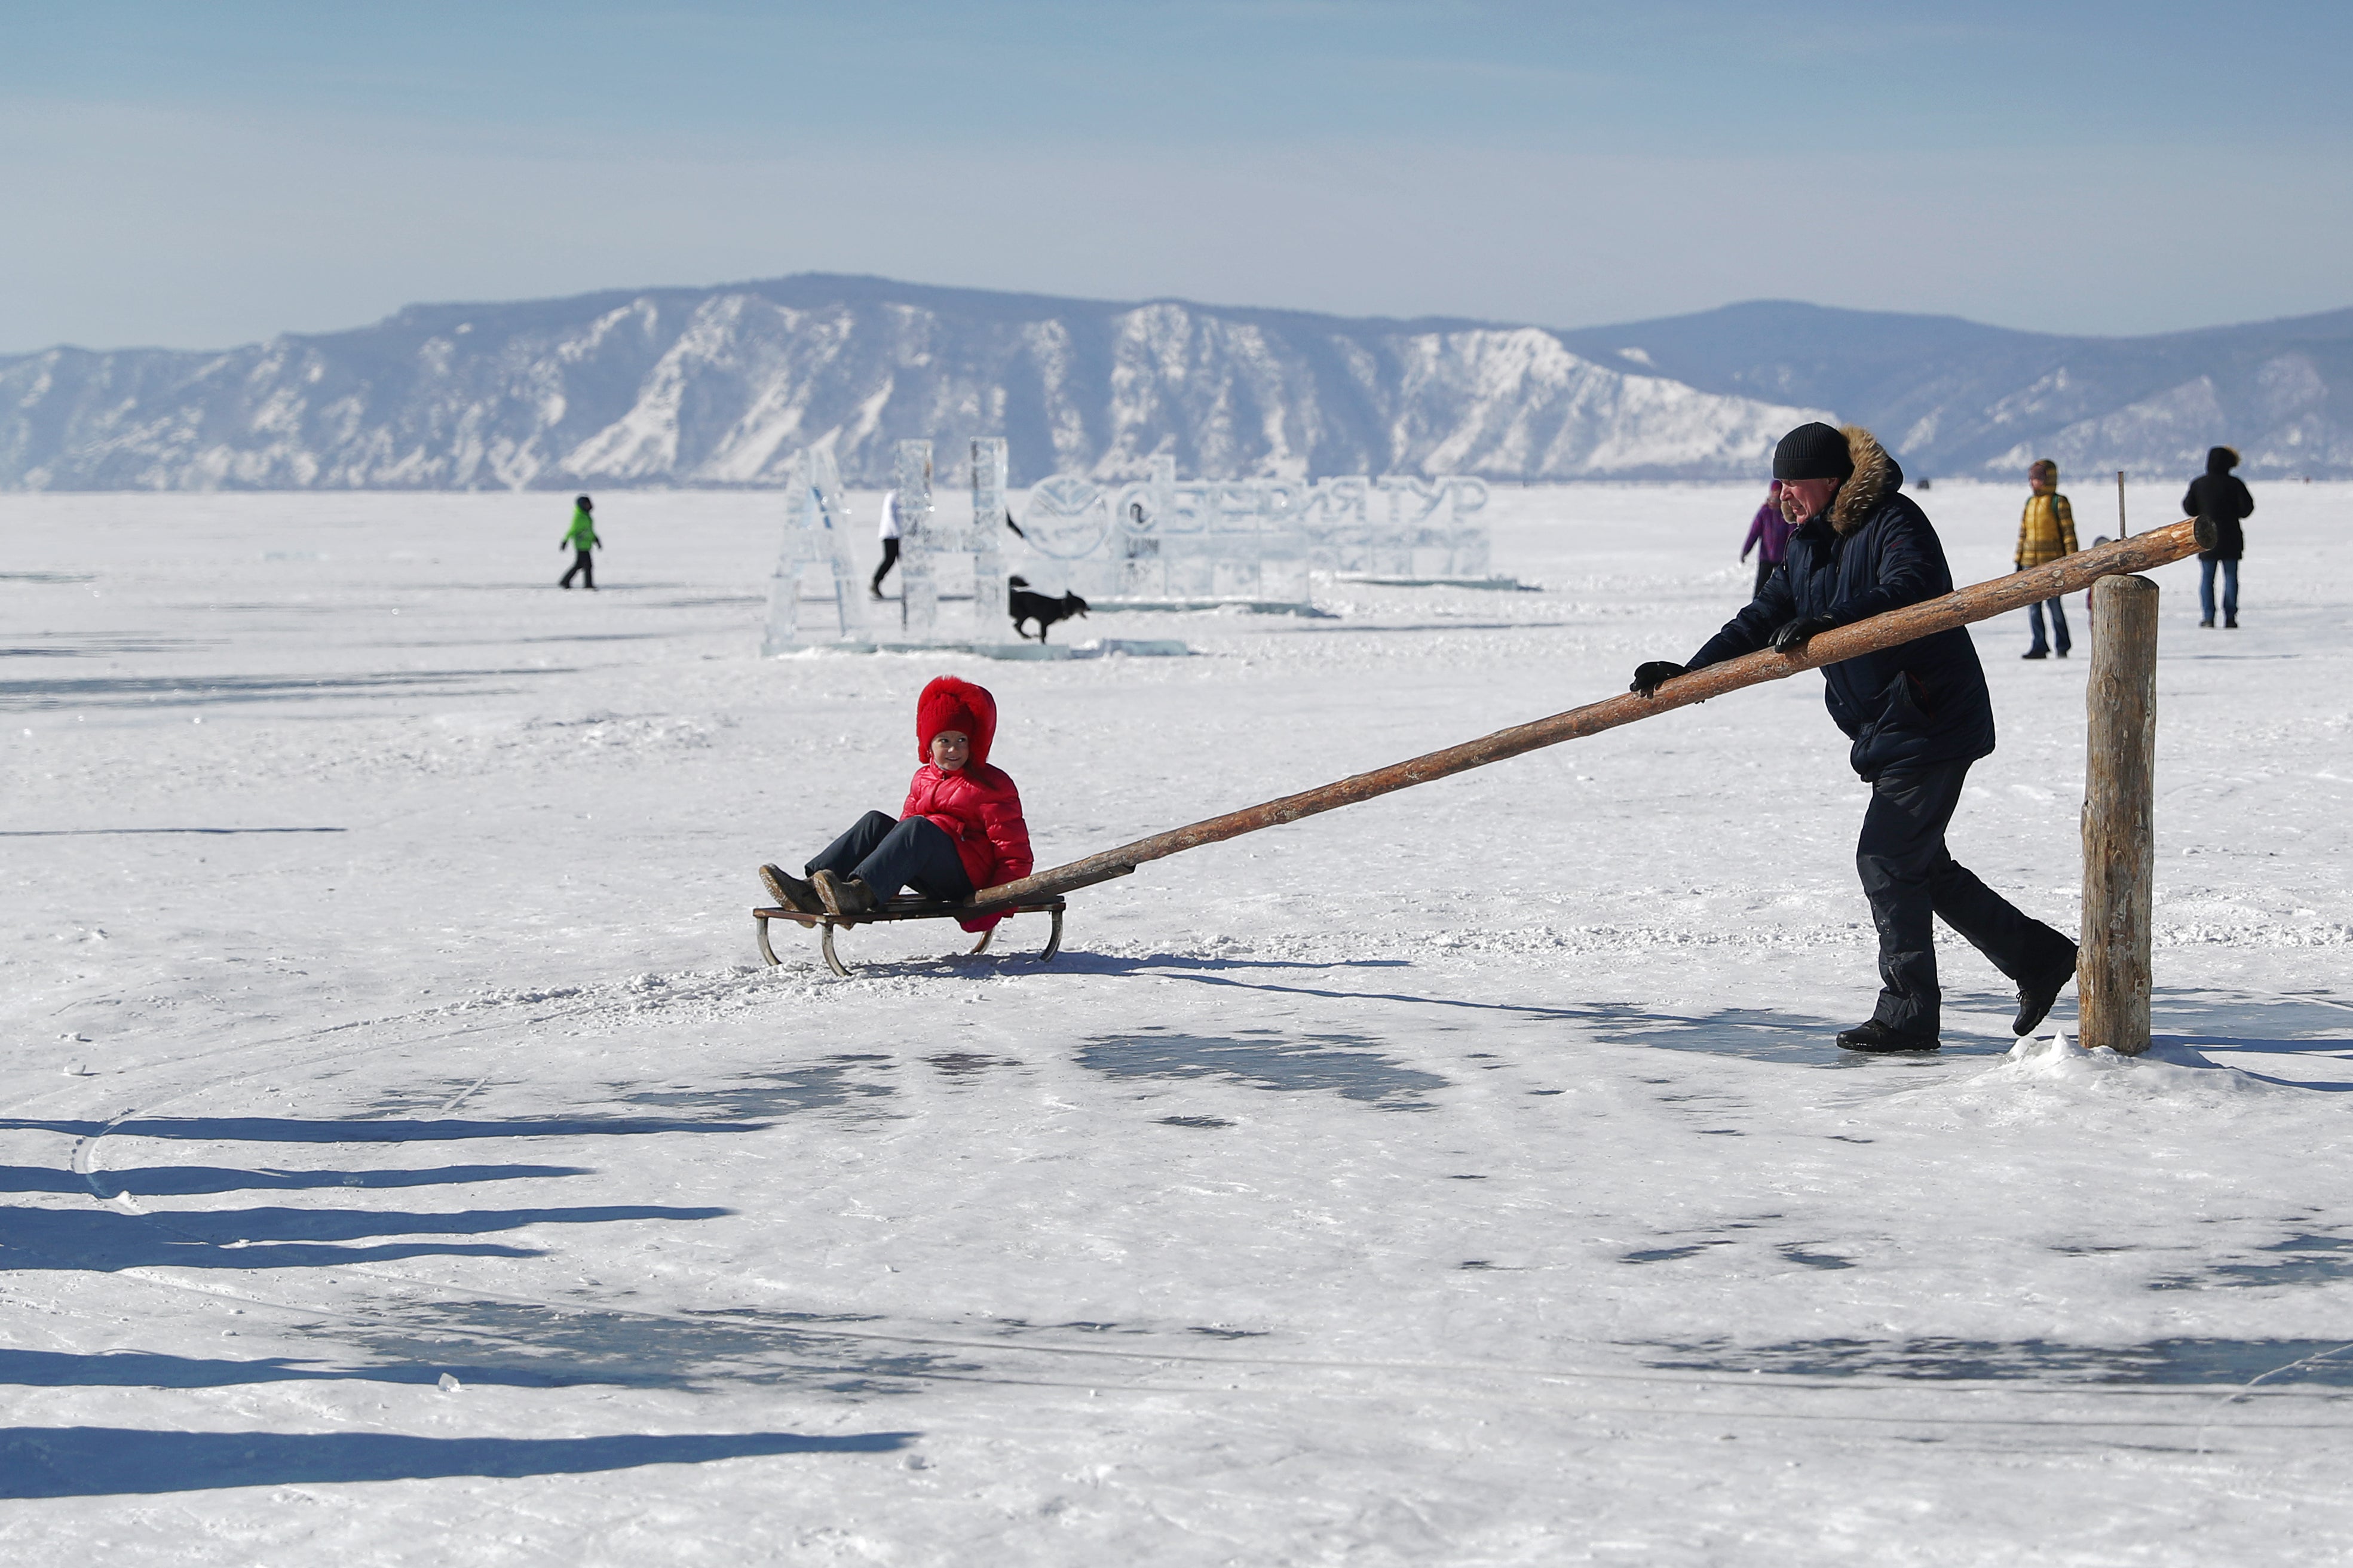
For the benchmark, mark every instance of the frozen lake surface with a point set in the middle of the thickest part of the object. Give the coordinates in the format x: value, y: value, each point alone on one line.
x: 410, y: 1160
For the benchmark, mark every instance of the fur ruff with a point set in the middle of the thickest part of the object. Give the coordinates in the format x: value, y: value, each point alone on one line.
x: 1867, y: 486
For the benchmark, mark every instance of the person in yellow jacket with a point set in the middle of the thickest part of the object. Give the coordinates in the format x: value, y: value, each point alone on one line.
x: 2045, y: 533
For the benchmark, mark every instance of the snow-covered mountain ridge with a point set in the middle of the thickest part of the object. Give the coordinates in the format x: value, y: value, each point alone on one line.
x: 721, y: 385
x: 1951, y: 396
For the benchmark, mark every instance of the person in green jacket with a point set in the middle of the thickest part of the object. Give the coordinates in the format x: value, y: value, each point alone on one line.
x: 582, y: 537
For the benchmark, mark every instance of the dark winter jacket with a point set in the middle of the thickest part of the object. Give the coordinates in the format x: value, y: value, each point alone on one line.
x: 2219, y: 494
x: 1871, y: 551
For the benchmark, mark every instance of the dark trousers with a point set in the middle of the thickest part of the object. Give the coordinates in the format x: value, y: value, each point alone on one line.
x: 2058, y: 608
x: 584, y: 566
x: 2206, y: 589
x: 887, y: 856
x: 1763, y: 569
x: 1909, y: 876
x: 890, y: 559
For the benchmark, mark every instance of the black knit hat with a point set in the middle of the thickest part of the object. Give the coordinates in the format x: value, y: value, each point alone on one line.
x: 1813, y: 452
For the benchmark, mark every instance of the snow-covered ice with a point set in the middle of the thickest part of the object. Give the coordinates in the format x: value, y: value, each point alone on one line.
x: 410, y: 1160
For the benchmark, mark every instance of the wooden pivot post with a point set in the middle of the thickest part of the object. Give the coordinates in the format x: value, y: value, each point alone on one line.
x: 2119, y: 807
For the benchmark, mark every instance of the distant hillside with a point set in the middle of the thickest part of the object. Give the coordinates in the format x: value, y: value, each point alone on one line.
x: 720, y: 386
x: 1954, y: 397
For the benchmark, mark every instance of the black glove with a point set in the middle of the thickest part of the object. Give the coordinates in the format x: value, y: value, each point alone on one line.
x: 1649, y: 677
x: 1793, y: 635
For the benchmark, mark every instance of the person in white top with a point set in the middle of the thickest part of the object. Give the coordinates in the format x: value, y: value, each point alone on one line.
x: 889, y: 532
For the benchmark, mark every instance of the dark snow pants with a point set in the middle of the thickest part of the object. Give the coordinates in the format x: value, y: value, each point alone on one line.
x: 582, y: 565
x: 1910, y: 876
x: 890, y: 559
x: 888, y: 855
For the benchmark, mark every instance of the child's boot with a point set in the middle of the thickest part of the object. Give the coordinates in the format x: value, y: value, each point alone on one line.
x: 844, y: 897
x: 790, y: 891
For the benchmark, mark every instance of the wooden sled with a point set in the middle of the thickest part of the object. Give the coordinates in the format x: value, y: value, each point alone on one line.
x: 900, y: 908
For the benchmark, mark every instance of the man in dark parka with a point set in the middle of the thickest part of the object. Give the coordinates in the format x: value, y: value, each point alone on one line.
x: 2222, y: 495
x: 1918, y: 715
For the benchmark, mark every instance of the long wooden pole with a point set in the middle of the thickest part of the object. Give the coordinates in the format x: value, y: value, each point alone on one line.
x: 2119, y: 804
x: 2036, y: 583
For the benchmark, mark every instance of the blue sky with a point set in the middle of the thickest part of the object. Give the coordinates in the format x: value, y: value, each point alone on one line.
x: 197, y: 174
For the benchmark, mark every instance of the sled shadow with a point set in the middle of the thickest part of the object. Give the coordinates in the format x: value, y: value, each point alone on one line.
x: 103, y: 1461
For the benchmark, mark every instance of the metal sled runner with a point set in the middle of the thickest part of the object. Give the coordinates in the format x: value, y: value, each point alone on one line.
x: 902, y: 909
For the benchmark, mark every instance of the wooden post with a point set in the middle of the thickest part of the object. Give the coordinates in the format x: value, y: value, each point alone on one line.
x: 2119, y: 807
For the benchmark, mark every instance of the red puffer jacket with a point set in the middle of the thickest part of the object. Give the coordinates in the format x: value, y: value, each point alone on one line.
x: 978, y: 807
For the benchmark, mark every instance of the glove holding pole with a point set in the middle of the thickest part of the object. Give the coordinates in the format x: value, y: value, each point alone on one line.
x: 1793, y: 635
x: 1649, y: 677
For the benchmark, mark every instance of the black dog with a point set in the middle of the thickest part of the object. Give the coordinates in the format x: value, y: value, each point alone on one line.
x: 1029, y: 606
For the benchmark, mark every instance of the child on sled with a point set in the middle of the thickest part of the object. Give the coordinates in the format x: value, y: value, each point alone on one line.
x: 959, y: 831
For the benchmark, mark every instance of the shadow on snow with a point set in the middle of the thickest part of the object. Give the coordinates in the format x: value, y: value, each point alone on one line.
x: 185, y: 1181
x: 103, y: 1461
x: 105, y: 1241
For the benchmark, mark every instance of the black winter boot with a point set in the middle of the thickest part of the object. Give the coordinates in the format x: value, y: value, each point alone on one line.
x: 1873, y: 1036
x: 2036, y: 996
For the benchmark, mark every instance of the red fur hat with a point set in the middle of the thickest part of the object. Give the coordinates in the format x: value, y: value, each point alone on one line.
x: 948, y: 704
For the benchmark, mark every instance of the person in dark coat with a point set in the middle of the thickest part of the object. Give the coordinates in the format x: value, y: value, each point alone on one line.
x: 1917, y: 715
x: 1769, y: 535
x: 2222, y: 495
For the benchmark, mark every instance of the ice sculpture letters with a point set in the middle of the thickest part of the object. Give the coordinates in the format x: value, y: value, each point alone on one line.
x: 1154, y: 541
x: 1162, y: 540
x: 817, y: 555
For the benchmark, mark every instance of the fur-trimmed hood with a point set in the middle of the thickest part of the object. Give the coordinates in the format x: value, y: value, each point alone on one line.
x: 1876, y: 477
x: 948, y: 704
